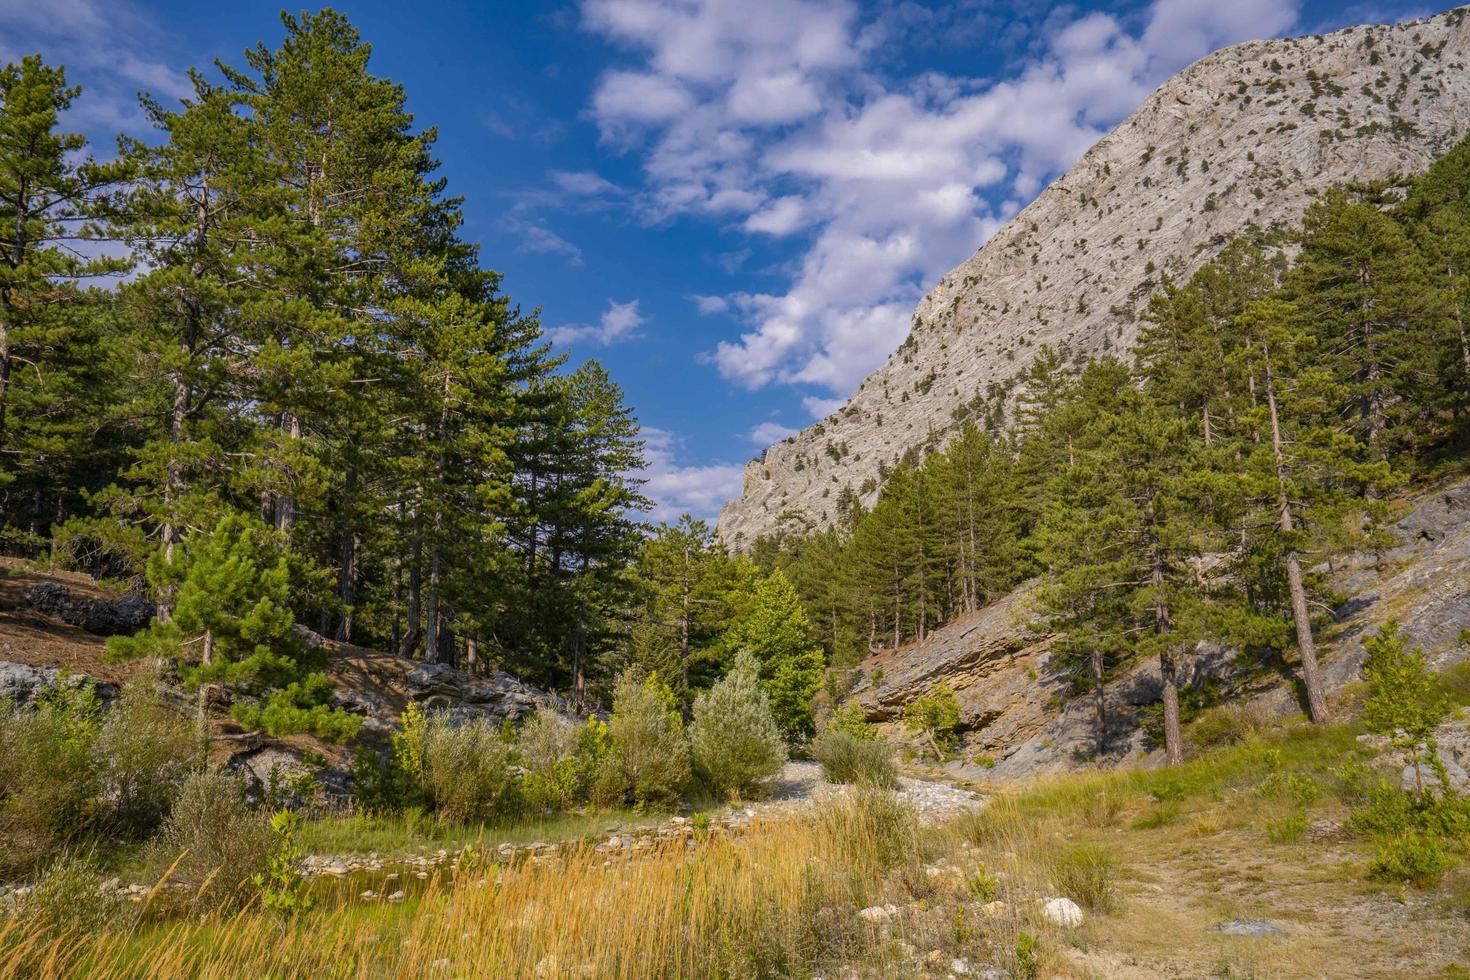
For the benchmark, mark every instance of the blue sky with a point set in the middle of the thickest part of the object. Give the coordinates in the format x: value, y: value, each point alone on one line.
x: 734, y: 204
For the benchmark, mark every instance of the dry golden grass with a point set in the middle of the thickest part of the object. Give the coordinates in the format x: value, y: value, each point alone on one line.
x: 782, y: 899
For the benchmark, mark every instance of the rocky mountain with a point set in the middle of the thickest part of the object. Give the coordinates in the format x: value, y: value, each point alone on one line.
x: 1246, y: 136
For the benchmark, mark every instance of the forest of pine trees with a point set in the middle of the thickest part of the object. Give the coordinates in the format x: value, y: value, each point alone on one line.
x: 1274, y: 402
x: 299, y: 347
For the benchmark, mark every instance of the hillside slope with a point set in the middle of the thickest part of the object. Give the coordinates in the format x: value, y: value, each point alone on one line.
x: 1246, y: 136
x: 1020, y: 715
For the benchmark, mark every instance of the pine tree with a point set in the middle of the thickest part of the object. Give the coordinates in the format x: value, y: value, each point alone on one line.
x: 55, y: 366
x: 684, y: 573
x: 1362, y: 290
x: 777, y: 632
x: 1300, y: 465
x: 232, y: 624
x: 1122, y: 535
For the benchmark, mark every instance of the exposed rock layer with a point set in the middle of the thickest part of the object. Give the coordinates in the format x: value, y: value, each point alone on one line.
x: 1246, y: 136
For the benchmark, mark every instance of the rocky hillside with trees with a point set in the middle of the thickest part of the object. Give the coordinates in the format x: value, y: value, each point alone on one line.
x: 1242, y: 141
x: 332, y: 641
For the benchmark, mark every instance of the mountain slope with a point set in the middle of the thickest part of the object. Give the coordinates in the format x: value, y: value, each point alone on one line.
x: 1246, y: 136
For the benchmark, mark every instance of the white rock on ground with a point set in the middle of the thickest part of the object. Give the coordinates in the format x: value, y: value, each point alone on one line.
x: 1062, y: 912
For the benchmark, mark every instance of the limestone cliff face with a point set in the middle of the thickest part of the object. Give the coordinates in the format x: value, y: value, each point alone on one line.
x: 1246, y: 136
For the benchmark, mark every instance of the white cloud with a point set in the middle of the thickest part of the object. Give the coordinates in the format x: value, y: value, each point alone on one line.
x: 583, y: 183
x: 534, y: 237
x: 710, y: 305
x: 106, y: 46
x: 638, y: 98
x: 677, y: 489
x: 774, y: 116
x: 619, y: 322
x: 780, y: 217
x: 820, y: 408
x: 767, y: 433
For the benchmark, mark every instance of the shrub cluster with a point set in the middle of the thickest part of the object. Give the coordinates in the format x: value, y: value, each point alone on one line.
x: 472, y: 771
x: 70, y: 774
x: 1406, y: 704
x: 850, y: 758
x: 734, y: 737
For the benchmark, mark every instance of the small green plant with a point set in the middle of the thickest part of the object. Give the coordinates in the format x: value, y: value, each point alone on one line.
x: 1415, y: 858
x: 935, y: 716
x: 1085, y: 873
x: 1028, y: 957
x: 983, y: 886
x: 849, y: 758
x: 1287, y: 830
x: 985, y: 761
x: 282, y: 886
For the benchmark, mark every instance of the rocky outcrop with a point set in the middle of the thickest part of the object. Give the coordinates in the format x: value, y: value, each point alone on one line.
x: 498, y: 696
x: 1019, y: 715
x: 23, y: 685
x: 102, y: 615
x: 1246, y: 136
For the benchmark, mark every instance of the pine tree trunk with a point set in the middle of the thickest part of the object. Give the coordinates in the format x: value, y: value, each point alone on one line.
x: 286, y: 505
x: 1100, y: 702
x: 684, y: 597
x: 347, y: 558
x: 5, y: 359
x: 1306, y: 646
x: 579, y: 658
x: 431, y: 615
x: 415, y: 588
x: 1173, y: 733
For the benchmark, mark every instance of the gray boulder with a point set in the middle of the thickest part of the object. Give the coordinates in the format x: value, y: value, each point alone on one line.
x: 23, y: 684
x: 105, y: 617
x: 498, y: 696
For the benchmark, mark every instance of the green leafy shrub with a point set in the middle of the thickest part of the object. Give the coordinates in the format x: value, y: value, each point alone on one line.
x: 220, y: 843
x: 49, y: 778
x: 1086, y: 874
x: 851, y: 718
x: 561, y: 759
x: 849, y: 758
x: 649, y: 762
x: 1418, y: 859
x: 143, y: 748
x: 1404, y: 701
x: 935, y: 716
x: 733, y: 739
x: 465, y: 769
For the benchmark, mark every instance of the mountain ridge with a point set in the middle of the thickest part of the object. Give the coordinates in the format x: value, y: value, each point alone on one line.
x: 1246, y: 136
